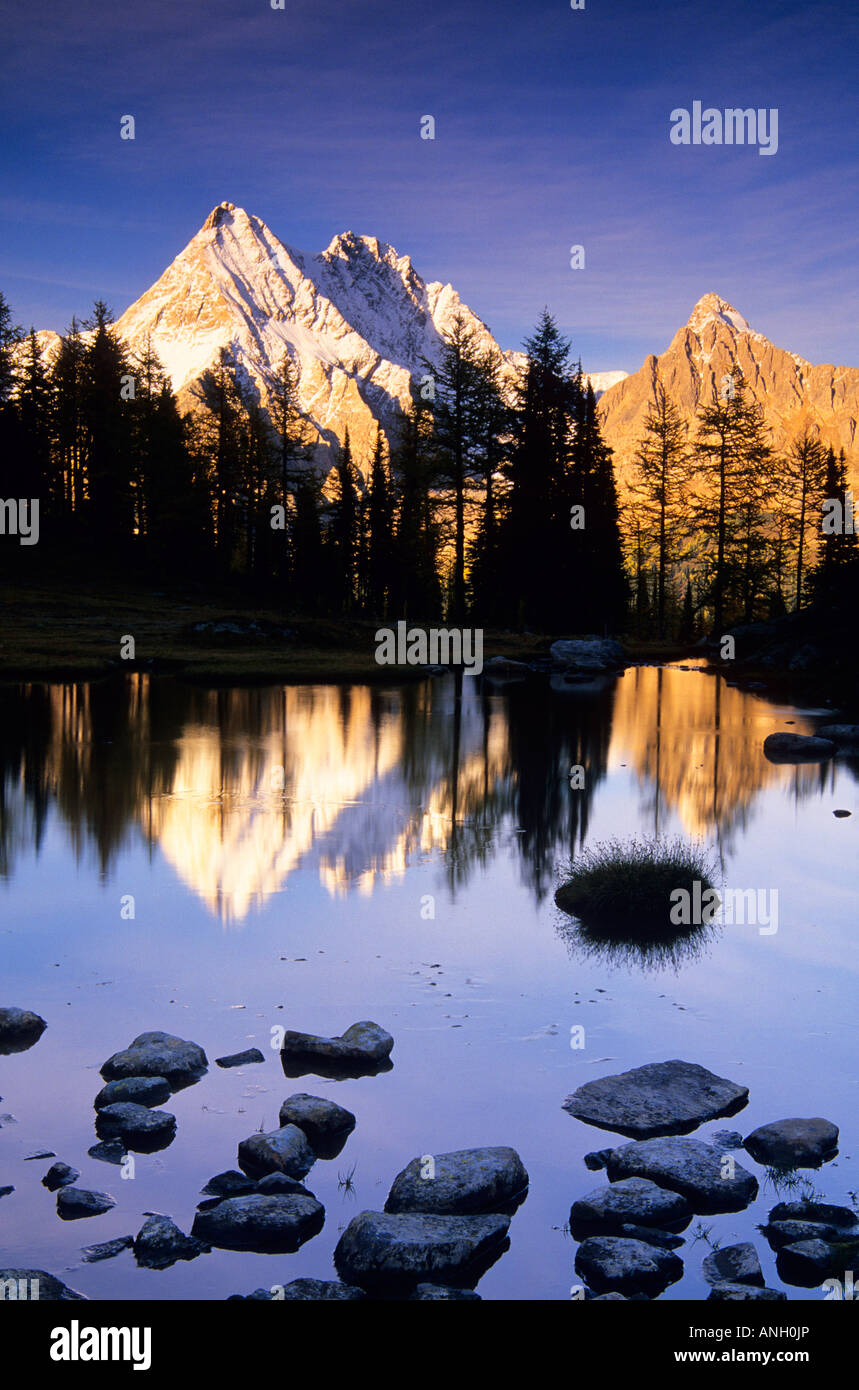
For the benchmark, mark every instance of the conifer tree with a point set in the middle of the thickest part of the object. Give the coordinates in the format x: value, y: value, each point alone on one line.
x: 662, y: 469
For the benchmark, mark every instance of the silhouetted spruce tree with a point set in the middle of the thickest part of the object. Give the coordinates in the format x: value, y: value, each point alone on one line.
x: 342, y: 537
x: 67, y: 378
x: 838, y: 546
x: 308, y: 577
x: 219, y: 440
x: 595, y: 573
x: 294, y: 439
x: 493, y: 421
x: 10, y: 471
x: 416, y: 591
x: 380, y: 533
x: 34, y: 403
x: 535, y: 539
x: 108, y: 435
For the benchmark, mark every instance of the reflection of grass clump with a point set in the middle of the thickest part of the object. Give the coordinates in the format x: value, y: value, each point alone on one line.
x: 626, y: 886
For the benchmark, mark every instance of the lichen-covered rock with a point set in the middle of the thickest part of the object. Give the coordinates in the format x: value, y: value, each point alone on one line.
x: 606, y: 1209
x: 700, y: 1173
x: 283, y: 1150
x: 659, y: 1098
x: 734, y: 1264
x: 158, y: 1054
x: 466, y: 1182
x: 794, y: 1143
x: 139, y: 1128
x: 19, y: 1030
x: 326, y: 1124
x: 159, y: 1243
x: 393, y: 1252
x: 276, y: 1224
x: 614, y: 1264
x: 139, y: 1090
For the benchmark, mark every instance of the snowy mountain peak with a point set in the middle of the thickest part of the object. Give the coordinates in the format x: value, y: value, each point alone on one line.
x: 711, y: 308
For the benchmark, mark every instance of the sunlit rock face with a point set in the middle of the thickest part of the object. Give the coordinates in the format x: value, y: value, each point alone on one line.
x: 714, y: 342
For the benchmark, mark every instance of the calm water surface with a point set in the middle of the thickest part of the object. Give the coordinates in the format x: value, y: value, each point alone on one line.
x: 286, y: 849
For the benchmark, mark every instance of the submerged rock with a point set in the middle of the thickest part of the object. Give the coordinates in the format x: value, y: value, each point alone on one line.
x: 140, y: 1129
x: 588, y: 654
x: 159, y: 1243
x: 283, y: 1150
x: 797, y: 748
x: 463, y: 1183
x: 615, y: 1264
x: 844, y: 735
x: 807, y: 1263
x: 388, y: 1252
x: 139, y: 1090
x: 695, y: 1170
x: 37, y: 1284
x: 106, y: 1250
x: 229, y: 1184
x: 59, y: 1175
x: 734, y: 1264
x: 363, y: 1050
x: 638, y: 1200
x: 158, y: 1054
x: 240, y: 1059
x: 268, y: 1224
x: 441, y: 1293
x: 109, y: 1151
x: 326, y: 1124
x: 73, y: 1203
x: 309, y: 1291
x: 657, y: 1099
x: 19, y: 1030
x: 726, y: 1292
x: 794, y: 1143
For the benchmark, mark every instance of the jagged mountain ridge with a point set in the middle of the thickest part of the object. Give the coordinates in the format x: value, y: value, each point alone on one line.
x: 360, y: 323
x: 711, y: 345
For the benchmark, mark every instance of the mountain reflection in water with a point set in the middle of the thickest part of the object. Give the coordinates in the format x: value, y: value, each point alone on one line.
x: 238, y: 788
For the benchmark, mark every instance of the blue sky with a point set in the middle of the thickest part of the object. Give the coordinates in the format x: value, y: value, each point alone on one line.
x: 551, y: 129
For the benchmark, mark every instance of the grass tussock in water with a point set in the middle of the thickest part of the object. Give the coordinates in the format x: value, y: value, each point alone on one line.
x: 626, y: 886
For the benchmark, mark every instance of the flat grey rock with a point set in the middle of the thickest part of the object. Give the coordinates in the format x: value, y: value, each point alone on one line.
x: 158, y: 1054
x: 797, y: 748
x: 74, y: 1203
x: 615, y: 1264
x: 659, y: 1098
x: 466, y: 1182
x: 283, y: 1150
x: 393, y: 1252
x: 794, y: 1143
x: 139, y: 1090
x: 107, y: 1250
x: 726, y: 1292
x: 241, y: 1059
x: 16, y: 1282
x: 19, y: 1030
x: 697, y: 1171
x: 734, y: 1264
x: 138, y: 1127
x: 276, y: 1224
x: 638, y: 1200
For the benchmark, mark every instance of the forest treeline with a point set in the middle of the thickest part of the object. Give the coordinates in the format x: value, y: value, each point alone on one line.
x: 490, y: 501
